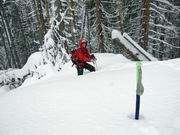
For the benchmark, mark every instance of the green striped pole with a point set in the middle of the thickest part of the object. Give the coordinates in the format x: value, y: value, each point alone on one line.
x: 139, y: 89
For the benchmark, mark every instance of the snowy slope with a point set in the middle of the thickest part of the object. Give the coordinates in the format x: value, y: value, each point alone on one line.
x: 99, y: 103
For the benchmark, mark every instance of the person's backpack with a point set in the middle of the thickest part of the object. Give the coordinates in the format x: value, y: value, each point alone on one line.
x: 74, y: 57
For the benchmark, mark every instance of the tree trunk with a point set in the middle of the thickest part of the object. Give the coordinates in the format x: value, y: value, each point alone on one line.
x: 145, y: 23
x: 47, y: 13
x: 120, y: 10
x: 99, y: 26
x: 58, y: 7
x: 26, y: 43
x: 6, y: 50
x: 41, y: 22
x: 89, y: 35
x: 154, y: 47
x: 73, y: 26
x: 8, y: 35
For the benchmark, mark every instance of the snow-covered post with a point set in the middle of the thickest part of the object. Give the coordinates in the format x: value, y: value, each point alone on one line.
x: 139, y: 90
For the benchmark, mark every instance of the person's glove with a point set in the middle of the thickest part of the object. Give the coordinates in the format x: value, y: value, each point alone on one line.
x: 93, y: 57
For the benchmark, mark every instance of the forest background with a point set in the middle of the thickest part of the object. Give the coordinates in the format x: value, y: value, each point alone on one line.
x: 28, y: 26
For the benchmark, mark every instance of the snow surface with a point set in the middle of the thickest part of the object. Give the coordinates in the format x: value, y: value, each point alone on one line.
x: 99, y: 103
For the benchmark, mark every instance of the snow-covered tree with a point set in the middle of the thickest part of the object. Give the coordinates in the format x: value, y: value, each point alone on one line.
x: 8, y: 34
x: 40, y: 19
x: 29, y: 23
x: 104, y: 16
x: 120, y: 14
x: 152, y: 25
x: 18, y: 30
x: 4, y: 50
x: 162, y: 29
x: 132, y: 18
x: 99, y: 27
x: 54, y: 39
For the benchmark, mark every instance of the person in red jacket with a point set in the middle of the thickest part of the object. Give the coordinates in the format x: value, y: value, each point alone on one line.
x: 81, y: 56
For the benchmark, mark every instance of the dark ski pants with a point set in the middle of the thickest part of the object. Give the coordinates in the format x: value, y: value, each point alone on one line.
x: 86, y: 66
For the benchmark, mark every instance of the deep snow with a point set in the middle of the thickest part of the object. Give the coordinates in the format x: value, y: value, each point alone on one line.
x: 99, y: 103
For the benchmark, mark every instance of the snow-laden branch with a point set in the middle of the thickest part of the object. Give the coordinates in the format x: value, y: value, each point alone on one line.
x: 163, y: 34
x: 106, y: 27
x: 164, y: 10
x: 92, y: 10
x: 107, y: 2
x: 154, y: 49
x: 165, y: 27
x: 161, y: 16
x: 168, y: 4
x: 130, y: 5
x: 162, y: 41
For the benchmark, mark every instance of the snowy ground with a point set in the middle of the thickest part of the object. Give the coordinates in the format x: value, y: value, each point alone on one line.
x: 99, y: 103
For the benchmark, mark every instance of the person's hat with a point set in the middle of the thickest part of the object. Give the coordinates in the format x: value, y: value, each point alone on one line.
x: 82, y: 42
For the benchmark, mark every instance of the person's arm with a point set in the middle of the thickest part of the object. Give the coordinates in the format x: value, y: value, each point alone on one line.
x: 87, y: 56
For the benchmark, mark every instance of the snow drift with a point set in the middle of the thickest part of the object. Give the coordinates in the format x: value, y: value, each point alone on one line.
x: 99, y: 103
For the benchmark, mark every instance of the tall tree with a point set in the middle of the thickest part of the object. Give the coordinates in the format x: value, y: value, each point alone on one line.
x: 41, y: 21
x: 6, y: 51
x: 54, y: 39
x: 162, y: 31
x: 145, y: 24
x: 132, y: 18
x: 99, y: 26
x: 120, y: 12
x: 72, y: 21
x: 152, y: 25
x: 13, y: 53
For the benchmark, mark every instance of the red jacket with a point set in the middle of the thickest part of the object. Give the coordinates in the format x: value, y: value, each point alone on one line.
x: 81, y: 55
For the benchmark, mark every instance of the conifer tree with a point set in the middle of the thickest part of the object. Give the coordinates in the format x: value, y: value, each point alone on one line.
x: 99, y: 26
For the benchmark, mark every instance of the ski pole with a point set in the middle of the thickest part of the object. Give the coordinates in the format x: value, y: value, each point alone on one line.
x: 95, y: 64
